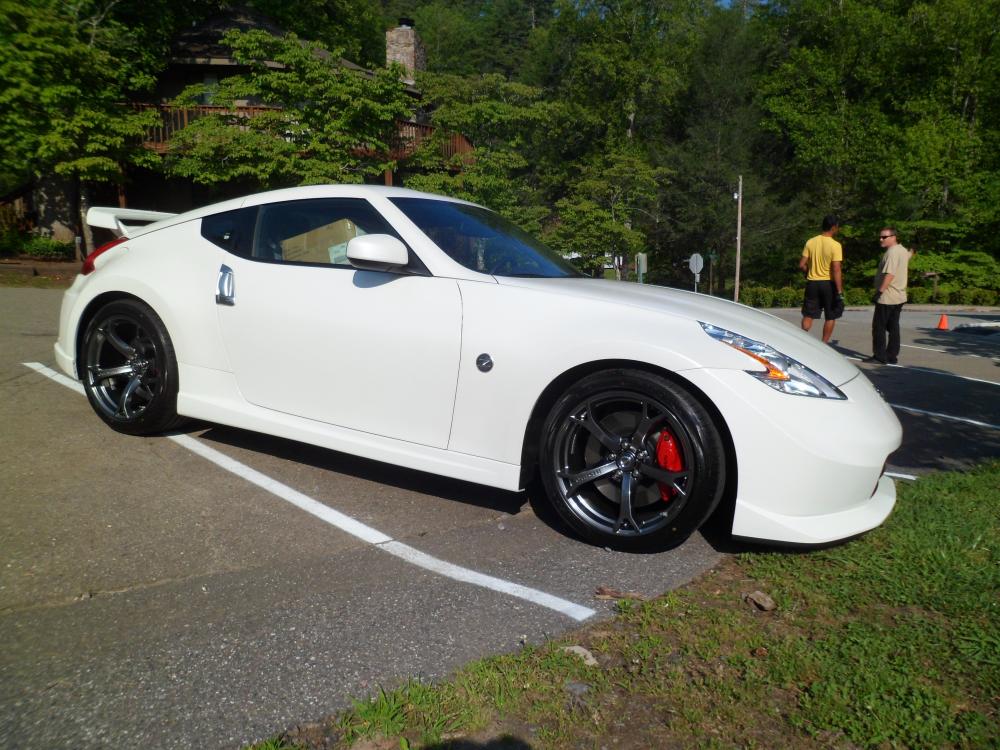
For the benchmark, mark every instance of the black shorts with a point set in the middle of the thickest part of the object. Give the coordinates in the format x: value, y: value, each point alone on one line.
x: 821, y: 296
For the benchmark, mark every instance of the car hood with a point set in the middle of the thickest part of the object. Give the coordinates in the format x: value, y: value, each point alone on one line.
x: 746, y: 321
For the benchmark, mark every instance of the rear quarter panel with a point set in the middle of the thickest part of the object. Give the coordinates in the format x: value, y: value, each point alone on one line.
x: 174, y: 271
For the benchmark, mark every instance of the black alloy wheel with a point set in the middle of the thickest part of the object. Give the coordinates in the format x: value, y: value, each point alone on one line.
x: 129, y: 368
x: 632, y: 460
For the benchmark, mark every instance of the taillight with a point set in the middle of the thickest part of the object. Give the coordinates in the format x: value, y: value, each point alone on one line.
x: 88, y: 263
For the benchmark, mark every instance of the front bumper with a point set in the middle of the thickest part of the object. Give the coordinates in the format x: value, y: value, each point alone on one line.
x: 809, y: 470
x: 760, y: 524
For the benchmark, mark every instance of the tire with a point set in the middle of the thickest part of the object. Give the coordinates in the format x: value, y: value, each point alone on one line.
x: 632, y: 460
x: 129, y: 369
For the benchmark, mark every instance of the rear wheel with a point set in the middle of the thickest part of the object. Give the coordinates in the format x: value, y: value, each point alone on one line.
x: 130, y: 371
x: 632, y: 460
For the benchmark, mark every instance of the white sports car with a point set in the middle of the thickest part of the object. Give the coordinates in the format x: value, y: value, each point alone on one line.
x: 431, y: 333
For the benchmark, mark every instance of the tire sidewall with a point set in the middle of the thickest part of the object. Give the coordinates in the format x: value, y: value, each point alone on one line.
x: 708, y: 459
x: 162, y: 411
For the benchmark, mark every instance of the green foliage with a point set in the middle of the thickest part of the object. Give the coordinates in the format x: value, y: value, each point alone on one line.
x: 756, y: 296
x: 857, y: 296
x: 498, y: 117
x: 965, y: 267
x: 788, y: 296
x: 609, y: 128
x: 67, y: 72
x: 325, y: 122
x: 352, y: 26
x: 890, y: 111
x: 272, y: 744
x: 13, y: 242
x: 47, y: 248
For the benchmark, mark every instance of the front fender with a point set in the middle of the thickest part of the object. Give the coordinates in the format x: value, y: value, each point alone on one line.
x: 534, y: 338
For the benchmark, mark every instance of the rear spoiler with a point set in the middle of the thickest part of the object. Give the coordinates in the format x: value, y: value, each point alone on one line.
x: 118, y: 219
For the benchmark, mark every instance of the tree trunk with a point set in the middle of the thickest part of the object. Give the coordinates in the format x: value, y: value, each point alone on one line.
x: 83, y: 190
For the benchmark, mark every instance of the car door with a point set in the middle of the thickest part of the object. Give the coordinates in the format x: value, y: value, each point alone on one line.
x: 309, y: 335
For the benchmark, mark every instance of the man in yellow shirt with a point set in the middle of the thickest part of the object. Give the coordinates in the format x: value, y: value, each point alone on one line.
x: 820, y: 262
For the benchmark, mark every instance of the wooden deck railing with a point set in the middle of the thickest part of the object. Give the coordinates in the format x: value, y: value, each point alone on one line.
x: 409, y: 135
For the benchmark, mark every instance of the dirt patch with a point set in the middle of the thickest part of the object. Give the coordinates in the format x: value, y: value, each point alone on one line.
x: 35, y: 272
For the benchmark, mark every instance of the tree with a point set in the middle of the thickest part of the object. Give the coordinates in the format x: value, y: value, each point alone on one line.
x: 320, y: 121
x: 612, y: 210
x: 718, y: 138
x: 354, y: 27
x: 68, y: 70
x: 890, y: 111
x: 499, y: 117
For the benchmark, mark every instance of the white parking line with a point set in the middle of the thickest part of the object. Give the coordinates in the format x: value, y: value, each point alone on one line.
x: 925, y: 348
x: 352, y: 526
x: 953, y: 418
x: 930, y: 371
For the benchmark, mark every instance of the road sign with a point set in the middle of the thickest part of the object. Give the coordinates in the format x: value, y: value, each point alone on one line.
x: 696, y: 263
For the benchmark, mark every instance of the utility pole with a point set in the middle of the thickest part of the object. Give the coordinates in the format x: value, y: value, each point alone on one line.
x: 739, y: 237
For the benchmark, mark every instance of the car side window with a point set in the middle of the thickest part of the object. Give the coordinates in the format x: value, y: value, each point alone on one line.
x: 315, y: 231
x: 231, y: 230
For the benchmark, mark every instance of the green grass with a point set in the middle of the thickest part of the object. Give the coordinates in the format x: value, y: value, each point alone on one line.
x: 892, y: 640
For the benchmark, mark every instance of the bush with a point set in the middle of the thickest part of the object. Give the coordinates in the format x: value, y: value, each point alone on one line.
x: 756, y: 296
x: 787, y: 296
x: 962, y: 297
x: 857, y: 295
x: 984, y: 297
x: 918, y: 295
x: 46, y: 248
x: 944, y: 292
x: 11, y: 242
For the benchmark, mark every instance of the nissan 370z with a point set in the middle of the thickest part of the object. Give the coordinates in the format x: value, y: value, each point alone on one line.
x: 432, y: 333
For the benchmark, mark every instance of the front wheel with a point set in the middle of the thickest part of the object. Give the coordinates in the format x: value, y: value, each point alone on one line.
x: 632, y: 460
x: 130, y: 371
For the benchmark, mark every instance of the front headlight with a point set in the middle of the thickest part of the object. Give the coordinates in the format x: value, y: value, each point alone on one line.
x: 781, y: 372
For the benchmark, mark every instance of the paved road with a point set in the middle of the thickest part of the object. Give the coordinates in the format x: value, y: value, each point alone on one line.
x: 150, y: 598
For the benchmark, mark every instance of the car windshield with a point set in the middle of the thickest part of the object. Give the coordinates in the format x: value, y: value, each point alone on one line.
x: 483, y: 240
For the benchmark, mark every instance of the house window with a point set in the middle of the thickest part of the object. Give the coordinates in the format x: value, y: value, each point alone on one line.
x: 211, y: 82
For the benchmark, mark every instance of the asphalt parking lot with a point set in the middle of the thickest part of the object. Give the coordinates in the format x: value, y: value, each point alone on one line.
x: 151, y: 595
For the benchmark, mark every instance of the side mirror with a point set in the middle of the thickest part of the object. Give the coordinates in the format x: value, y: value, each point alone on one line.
x: 377, y: 252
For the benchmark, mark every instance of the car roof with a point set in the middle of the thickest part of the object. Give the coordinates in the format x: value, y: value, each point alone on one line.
x: 304, y: 192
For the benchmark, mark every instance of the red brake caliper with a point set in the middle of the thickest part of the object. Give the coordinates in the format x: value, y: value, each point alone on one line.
x: 669, y: 458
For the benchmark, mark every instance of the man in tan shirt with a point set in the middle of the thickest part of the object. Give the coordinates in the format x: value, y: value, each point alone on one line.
x: 820, y: 261
x: 890, y: 295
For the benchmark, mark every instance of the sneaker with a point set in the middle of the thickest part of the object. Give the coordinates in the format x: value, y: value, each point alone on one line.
x: 892, y: 361
x: 874, y: 361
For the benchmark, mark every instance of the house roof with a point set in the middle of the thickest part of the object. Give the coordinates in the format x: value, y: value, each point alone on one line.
x: 202, y: 44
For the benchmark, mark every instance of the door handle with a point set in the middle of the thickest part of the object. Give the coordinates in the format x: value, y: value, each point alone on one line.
x: 226, y: 292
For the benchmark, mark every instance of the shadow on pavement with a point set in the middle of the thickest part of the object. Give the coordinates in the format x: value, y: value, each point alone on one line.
x: 931, y: 443
x: 368, y: 470
x: 955, y: 342
x: 505, y: 742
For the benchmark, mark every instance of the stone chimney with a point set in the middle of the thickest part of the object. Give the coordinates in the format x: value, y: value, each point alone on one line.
x: 403, y: 45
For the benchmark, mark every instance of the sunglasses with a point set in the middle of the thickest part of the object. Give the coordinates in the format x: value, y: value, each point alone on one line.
x: 885, y: 236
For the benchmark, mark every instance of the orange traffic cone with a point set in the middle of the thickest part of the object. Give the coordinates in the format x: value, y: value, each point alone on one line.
x: 942, y: 323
